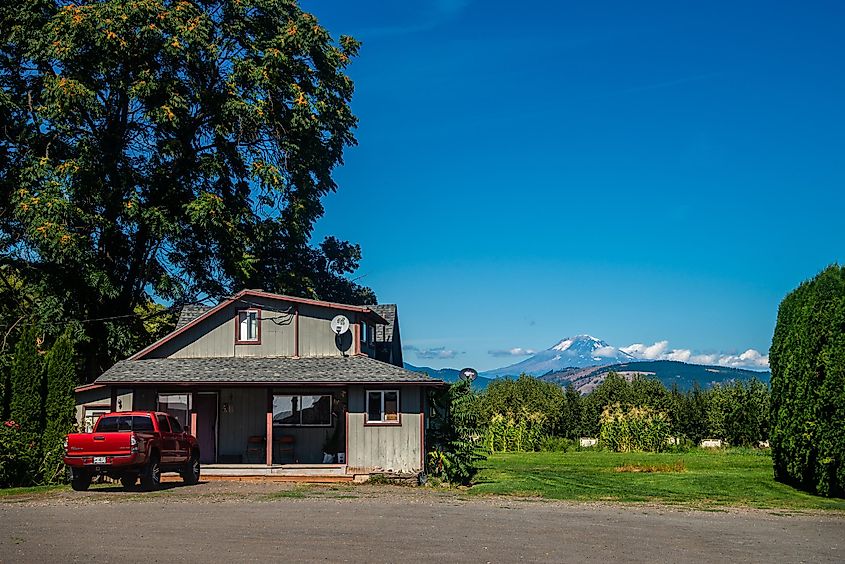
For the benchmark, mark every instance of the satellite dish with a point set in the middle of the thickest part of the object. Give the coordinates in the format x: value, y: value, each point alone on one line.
x: 340, y: 324
x: 469, y: 374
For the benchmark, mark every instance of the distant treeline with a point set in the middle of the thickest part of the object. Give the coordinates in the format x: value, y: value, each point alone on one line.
x: 528, y: 414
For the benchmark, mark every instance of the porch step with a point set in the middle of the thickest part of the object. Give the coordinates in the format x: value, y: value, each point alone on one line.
x: 294, y: 471
x: 299, y: 479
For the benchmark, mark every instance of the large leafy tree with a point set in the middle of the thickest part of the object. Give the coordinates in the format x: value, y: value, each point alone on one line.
x: 808, y: 385
x: 167, y: 150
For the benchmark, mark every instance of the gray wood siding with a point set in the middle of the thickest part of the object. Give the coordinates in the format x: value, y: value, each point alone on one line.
x: 396, y: 448
x: 316, y: 337
x: 246, y: 416
x: 215, y: 336
x: 96, y: 397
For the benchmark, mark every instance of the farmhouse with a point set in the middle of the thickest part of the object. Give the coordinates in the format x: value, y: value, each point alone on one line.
x: 277, y: 385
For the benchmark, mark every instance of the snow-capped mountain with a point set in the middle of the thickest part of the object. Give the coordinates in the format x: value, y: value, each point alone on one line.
x: 573, y: 352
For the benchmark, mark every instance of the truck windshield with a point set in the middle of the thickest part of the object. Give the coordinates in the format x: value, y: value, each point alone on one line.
x: 116, y: 423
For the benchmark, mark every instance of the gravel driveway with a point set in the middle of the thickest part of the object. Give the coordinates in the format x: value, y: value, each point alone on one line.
x: 223, y: 521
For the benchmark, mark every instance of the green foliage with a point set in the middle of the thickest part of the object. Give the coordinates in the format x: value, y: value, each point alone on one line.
x: 165, y: 150
x: 634, y: 429
x: 807, y: 360
x: 26, y: 404
x: 551, y: 443
x: 524, y: 414
x: 19, y: 460
x: 739, y: 413
x: 547, y: 404
x: 454, y: 453
x: 688, y: 413
x: 5, y: 384
x: 60, y: 407
x: 615, y: 389
x: 523, y: 433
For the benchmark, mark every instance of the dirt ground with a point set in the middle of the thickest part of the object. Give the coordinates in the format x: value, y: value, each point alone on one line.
x: 230, y: 521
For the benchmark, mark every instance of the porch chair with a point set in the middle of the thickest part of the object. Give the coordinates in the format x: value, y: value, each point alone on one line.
x: 284, y: 446
x: 256, y: 450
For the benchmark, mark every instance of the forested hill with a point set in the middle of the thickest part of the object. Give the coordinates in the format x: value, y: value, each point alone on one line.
x: 669, y: 372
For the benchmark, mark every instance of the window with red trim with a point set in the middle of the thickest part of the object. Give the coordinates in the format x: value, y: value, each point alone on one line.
x: 249, y: 326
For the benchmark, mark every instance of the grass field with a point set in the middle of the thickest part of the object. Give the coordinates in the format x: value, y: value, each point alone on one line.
x: 698, y: 478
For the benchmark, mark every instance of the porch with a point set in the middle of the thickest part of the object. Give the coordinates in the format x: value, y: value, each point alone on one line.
x: 310, y: 473
x: 306, y: 427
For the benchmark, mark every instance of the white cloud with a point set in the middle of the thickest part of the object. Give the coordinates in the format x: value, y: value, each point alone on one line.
x: 649, y: 352
x: 439, y: 353
x: 681, y: 355
x: 516, y: 351
x: 605, y: 351
x: 751, y: 358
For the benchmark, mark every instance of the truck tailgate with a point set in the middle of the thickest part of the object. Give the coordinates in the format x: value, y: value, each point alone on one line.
x: 98, y: 444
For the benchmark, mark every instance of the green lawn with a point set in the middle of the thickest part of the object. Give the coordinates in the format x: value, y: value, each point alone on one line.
x: 709, y: 479
x: 4, y: 492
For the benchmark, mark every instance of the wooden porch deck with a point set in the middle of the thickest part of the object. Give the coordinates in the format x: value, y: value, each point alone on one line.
x: 315, y: 473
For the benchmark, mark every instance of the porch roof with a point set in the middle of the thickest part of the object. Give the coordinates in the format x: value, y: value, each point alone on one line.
x: 262, y: 370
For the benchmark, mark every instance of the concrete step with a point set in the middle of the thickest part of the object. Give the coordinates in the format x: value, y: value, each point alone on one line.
x: 280, y: 470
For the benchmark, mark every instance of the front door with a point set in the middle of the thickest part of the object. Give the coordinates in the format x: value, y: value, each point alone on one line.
x: 206, y: 432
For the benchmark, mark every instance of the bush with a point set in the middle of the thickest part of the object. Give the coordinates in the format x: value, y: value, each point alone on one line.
x: 634, y: 429
x: 60, y: 407
x: 26, y: 404
x: 454, y: 454
x: 19, y: 461
x: 807, y: 361
x: 550, y: 443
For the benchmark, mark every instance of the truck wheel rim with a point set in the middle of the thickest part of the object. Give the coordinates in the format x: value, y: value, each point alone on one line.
x: 196, y: 468
x: 156, y: 474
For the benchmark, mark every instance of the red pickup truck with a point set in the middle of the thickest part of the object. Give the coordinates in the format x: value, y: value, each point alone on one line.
x: 132, y: 444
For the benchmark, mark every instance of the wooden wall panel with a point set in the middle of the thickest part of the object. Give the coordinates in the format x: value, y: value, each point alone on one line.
x: 215, y: 337
x: 243, y: 413
x: 383, y: 447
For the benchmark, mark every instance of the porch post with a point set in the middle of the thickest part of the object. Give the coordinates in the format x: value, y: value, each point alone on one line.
x: 193, y: 396
x: 113, y: 399
x: 269, y: 426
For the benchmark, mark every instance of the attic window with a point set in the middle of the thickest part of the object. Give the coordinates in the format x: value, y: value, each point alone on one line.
x: 249, y: 329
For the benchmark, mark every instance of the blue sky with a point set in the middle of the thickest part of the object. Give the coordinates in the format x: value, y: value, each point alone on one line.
x: 642, y: 172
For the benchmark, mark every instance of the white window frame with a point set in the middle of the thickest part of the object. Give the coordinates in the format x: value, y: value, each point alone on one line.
x: 241, y: 338
x: 163, y: 407
x: 383, y: 421
x: 301, y: 424
x: 91, y: 414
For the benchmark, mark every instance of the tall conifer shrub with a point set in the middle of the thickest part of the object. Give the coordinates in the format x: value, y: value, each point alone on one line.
x: 807, y: 360
x: 60, y: 405
x: 26, y: 404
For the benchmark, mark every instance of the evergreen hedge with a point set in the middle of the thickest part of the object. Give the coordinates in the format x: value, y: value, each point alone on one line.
x: 60, y: 406
x: 807, y: 361
x: 26, y: 405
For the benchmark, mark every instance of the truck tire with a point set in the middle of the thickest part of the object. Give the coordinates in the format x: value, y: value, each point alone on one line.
x: 151, y: 477
x: 128, y: 480
x: 191, y: 471
x: 80, y: 480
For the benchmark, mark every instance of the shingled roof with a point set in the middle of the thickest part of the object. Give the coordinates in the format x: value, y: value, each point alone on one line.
x: 384, y: 333
x: 262, y: 370
x: 189, y: 313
